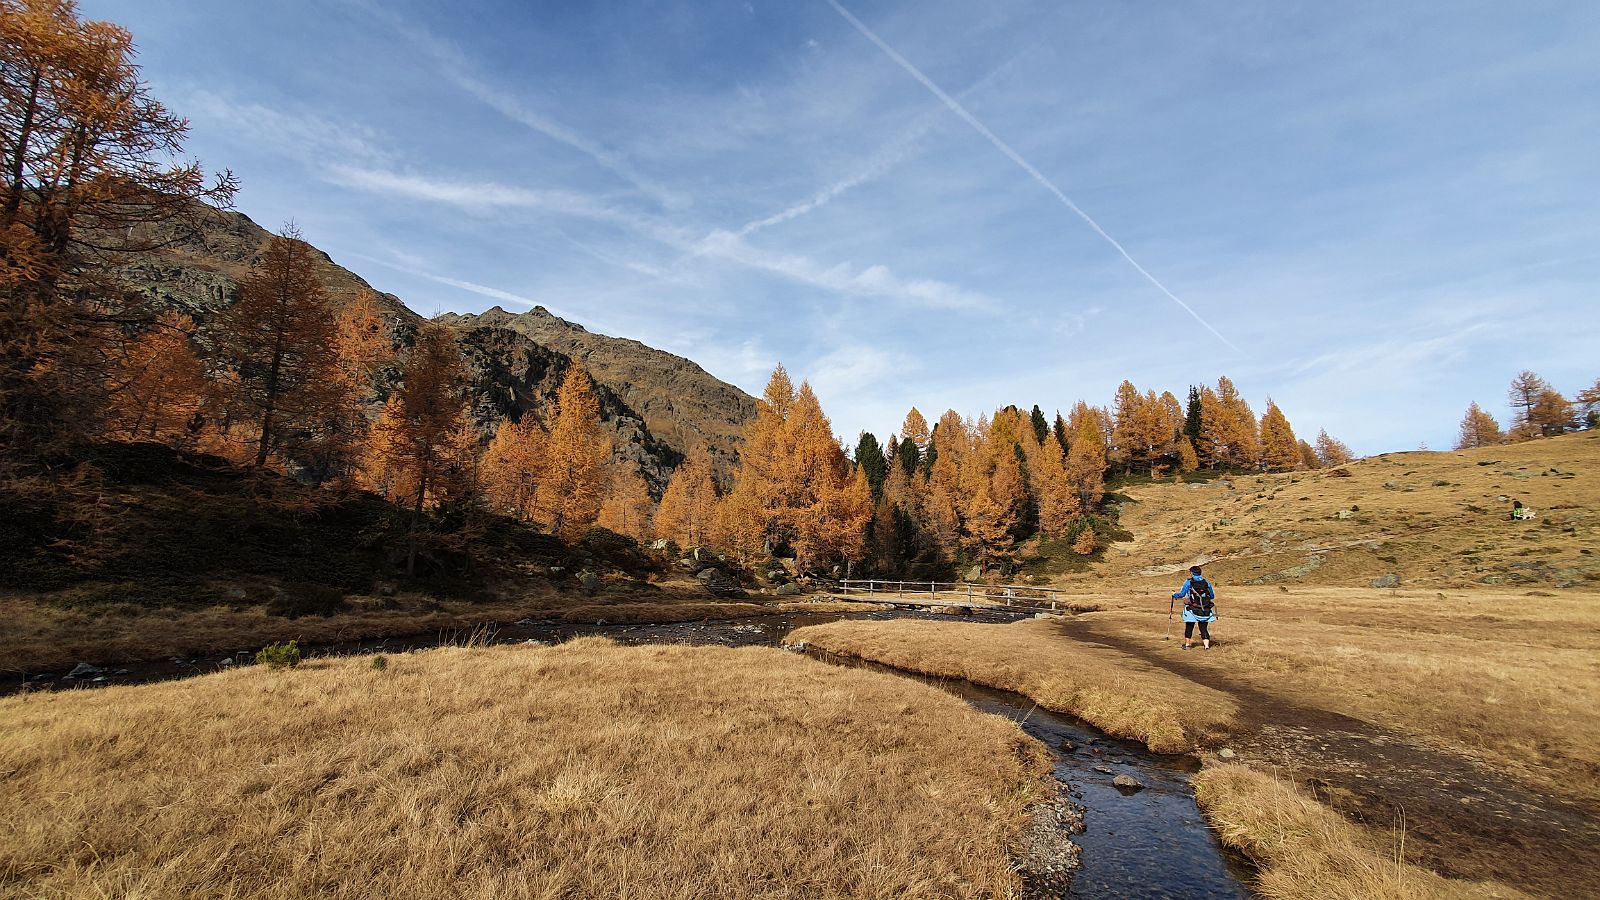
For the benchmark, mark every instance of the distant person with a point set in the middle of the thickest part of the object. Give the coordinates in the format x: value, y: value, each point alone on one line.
x: 1199, y: 607
x: 1520, y: 512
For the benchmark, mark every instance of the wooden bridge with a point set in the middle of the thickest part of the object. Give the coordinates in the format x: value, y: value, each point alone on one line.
x: 1013, y: 597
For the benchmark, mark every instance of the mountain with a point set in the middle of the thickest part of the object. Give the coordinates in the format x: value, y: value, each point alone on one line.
x: 681, y: 403
x: 659, y: 405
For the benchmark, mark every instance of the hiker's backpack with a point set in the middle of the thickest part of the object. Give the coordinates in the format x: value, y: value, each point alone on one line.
x: 1202, y: 599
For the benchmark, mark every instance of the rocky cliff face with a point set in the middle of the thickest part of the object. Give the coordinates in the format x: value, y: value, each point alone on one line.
x: 660, y: 406
x: 681, y: 403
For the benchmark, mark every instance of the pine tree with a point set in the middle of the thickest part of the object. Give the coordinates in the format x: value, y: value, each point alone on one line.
x: 1062, y: 433
x: 1332, y: 452
x: 908, y: 456
x: 688, y: 511
x: 1193, y: 423
x: 1041, y: 428
x: 568, y: 497
x: 1280, y: 449
x: 1478, y: 429
x: 514, y: 465
x: 277, y: 340
x: 159, y: 385
x: 871, y: 461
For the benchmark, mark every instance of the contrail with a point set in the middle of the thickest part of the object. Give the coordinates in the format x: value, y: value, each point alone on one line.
x: 1014, y: 156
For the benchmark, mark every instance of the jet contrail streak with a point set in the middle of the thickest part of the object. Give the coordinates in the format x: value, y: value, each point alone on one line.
x: 961, y: 111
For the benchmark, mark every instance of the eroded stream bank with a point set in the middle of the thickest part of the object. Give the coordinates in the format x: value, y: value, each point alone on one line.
x: 1144, y: 843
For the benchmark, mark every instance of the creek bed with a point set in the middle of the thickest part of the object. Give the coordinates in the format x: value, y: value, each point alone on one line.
x: 1150, y: 843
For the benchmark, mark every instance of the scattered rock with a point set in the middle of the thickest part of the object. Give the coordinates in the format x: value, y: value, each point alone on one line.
x: 1390, y: 486
x: 1038, y: 615
x: 789, y: 590
x: 1225, y: 753
x: 1387, y: 581
x: 719, y: 584
x: 796, y: 648
x: 1103, y: 770
x: 84, y: 670
x: 659, y: 544
x: 589, y: 580
x: 975, y: 573
x: 1068, y: 746
x: 1343, y: 514
x: 1440, y: 482
x: 1127, y: 783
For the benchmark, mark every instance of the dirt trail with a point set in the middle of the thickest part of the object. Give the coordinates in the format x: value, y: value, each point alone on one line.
x: 1460, y: 818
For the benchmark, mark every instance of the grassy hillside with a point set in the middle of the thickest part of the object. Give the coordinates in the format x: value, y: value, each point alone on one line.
x: 1429, y: 519
x: 583, y: 770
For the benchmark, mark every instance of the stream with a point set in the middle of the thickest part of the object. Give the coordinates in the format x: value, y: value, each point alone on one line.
x: 1148, y: 843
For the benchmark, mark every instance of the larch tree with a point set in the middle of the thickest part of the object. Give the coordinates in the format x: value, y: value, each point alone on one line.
x: 87, y: 176
x: 1126, y: 410
x: 1524, y: 393
x: 1188, y: 460
x: 513, y: 466
x: 1228, y: 433
x: 416, y: 450
x: 1552, y: 414
x: 277, y: 340
x: 1478, y: 429
x: 948, y: 445
x: 627, y: 506
x: 365, y: 347
x: 1308, y: 456
x: 688, y: 511
x: 1331, y: 451
x: 1589, y: 400
x: 1086, y: 463
x: 758, y: 513
x: 1280, y: 449
x: 568, y: 497
x: 160, y: 384
x: 915, y: 428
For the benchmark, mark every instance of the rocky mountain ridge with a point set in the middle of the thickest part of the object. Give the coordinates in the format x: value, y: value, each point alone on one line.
x: 660, y: 406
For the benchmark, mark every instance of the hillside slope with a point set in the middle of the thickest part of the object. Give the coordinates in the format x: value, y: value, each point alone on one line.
x: 660, y: 405
x: 1426, y: 518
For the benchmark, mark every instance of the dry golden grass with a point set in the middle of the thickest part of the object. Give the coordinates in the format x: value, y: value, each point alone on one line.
x: 1118, y: 695
x: 582, y: 770
x: 1434, y: 519
x: 1509, y: 678
x: 1309, y: 852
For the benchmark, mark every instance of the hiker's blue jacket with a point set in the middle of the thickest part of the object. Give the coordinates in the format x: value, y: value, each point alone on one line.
x: 1193, y: 615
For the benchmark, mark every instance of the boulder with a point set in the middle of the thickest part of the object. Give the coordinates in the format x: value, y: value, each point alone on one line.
x: 589, y: 580
x: 1387, y: 581
x: 789, y: 590
x: 719, y: 584
x: 974, y: 574
x: 659, y: 544
x: 1127, y: 783
x: 84, y: 670
x: 1225, y: 753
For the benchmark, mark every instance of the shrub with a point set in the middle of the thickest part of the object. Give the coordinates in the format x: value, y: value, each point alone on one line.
x: 279, y: 656
x: 380, y: 662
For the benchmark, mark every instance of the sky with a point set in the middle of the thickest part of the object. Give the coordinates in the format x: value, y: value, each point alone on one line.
x: 1372, y: 213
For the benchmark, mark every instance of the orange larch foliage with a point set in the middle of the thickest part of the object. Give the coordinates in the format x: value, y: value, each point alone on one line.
x: 1086, y: 463
x: 1308, y: 456
x: 1478, y: 429
x: 1332, y: 452
x: 513, y: 466
x: 159, y: 385
x: 1280, y: 449
x: 627, y: 506
x: 569, y: 496
x: 278, y: 340
x: 688, y: 512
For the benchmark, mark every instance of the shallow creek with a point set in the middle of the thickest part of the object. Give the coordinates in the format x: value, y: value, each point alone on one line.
x: 1149, y: 843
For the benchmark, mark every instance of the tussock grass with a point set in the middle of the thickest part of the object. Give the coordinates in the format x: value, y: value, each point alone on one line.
x: 1307, y: 851
x: 1512, y: 679
x: 1118, y: 695
x: 582, y: 770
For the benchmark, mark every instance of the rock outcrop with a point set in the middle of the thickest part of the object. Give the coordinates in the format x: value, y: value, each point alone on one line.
x: 659, y: 405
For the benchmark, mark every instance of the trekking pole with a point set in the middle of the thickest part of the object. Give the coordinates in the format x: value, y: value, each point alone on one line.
x: 1171, y: 606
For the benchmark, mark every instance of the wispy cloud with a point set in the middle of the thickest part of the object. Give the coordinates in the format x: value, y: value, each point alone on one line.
x: 458, y: 68
x: 470, y: 287
x: 961, y: 112
x: 301, y: 135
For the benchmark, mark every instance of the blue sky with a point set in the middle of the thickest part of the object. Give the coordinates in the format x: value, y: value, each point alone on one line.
x: 1377, y: 212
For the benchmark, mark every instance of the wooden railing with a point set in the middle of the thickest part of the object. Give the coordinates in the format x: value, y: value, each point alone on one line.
x: 952, y: 593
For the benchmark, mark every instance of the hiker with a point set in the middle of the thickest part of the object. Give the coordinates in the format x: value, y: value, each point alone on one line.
x: 1199, y: 607
x: 1520, y: 512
